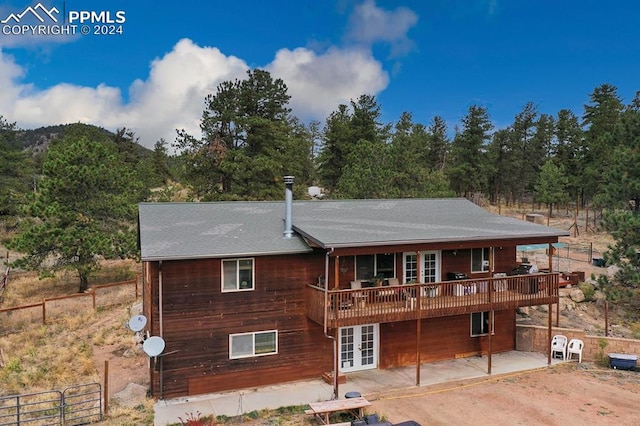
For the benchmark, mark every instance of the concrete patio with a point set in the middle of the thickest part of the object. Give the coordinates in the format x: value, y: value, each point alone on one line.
x: 368, y: 383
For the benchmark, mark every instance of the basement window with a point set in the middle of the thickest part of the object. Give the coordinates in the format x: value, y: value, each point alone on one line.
x: 247, y: 345
x: 237, y: 275
x: 480, y: 324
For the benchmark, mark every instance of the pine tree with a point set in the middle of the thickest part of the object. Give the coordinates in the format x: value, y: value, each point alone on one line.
x: 84, y: 210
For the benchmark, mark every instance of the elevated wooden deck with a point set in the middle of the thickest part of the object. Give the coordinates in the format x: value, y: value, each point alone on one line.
x: 413, y: 301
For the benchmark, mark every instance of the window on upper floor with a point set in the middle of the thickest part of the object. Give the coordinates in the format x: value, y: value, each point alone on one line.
x: 369, y: 266
x: 245, y: 345
x: 480, y: 259
x: 237, y: 275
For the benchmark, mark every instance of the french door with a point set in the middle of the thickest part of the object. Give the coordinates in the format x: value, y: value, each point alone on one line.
x: 429, y: 271
x: 358, y: 348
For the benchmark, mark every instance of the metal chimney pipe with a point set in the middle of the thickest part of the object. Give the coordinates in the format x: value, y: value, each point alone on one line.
x: 288, y: 202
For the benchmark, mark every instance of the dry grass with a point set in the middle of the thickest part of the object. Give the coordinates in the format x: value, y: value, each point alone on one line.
x: 38, y: 358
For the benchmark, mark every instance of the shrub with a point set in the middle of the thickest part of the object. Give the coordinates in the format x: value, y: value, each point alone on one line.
x: 588, y: 290
x: 602, y: 359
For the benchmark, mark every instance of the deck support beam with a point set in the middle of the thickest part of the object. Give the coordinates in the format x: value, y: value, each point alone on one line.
x: 549, y: 331
x: 492, y: 255
x: 419, y: 323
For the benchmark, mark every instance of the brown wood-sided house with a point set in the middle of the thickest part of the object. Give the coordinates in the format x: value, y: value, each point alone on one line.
x: 247, y: 294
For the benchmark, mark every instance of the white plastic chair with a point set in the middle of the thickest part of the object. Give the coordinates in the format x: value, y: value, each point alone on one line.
x: 559, y: 345
x: 575, y: 347
x: 359, y: 297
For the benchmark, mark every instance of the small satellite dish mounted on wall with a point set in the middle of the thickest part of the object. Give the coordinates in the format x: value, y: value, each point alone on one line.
x: 153, y: 346
x: 137, y: 323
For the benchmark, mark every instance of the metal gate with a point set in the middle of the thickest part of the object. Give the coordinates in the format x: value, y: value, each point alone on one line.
x: 76, y: 405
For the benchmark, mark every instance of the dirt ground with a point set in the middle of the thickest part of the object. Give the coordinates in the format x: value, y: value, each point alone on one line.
x: 564, y: 395
x: 125, y: 360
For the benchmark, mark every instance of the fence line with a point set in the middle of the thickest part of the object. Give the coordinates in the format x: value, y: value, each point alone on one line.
x: 92, y: 292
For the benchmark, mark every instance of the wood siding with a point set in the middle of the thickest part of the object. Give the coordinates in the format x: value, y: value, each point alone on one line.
x: 442, y: 338
x: 196, y: 319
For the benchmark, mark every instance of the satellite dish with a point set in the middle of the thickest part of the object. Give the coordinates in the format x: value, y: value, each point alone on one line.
x: 153, y: 346
x: 137, y: 323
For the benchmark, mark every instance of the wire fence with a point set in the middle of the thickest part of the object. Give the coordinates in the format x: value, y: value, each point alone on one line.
x: 565, y: 257
x: 16, y: 318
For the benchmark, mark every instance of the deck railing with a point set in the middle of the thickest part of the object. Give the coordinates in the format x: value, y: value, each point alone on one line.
x: 412, y: 301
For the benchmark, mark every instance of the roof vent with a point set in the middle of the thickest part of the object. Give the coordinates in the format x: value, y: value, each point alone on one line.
x: 288, y: 202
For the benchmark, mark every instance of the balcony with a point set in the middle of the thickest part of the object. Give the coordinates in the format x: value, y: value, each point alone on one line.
x: 413, y: 301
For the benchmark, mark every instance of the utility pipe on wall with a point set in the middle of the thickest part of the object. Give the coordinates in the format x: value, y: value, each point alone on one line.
x: 326, y: 312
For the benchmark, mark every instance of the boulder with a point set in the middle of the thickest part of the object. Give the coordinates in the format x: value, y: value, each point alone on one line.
x: 577, y: 295
x: 131, y: 396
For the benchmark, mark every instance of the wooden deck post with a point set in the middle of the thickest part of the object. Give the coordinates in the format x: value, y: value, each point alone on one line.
x: 492, y: 254
x: 105, y: 396
x: 549, y: 331
x: 490, y: 350
x: 336, y: 369
x: 550, y: 251
x: 419, y: 323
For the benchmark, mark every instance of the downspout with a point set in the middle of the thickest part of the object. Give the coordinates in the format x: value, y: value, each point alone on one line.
x: 326, y: 312
x: 160, y: 302
x: 160, y: 298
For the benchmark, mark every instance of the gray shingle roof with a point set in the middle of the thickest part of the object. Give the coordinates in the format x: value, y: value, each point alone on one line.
x: 201, y: 230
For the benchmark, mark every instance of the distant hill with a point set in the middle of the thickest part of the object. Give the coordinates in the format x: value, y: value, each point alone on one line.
x: 38, y: 140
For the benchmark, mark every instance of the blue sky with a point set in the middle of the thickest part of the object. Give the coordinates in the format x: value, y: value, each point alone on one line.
x: 427, y: 57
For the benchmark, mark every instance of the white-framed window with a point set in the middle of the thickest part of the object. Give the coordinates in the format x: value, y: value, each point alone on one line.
x: 259, y: 343
x: 430, y: 270
x: 480, y: 324
x: 480, y: 259
x: 237, y: 275
x: 369, y: 266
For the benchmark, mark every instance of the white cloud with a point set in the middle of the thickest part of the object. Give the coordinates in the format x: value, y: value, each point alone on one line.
x: 318, y: 83
x: 369, y: 24
x: 9, y: 73
x: 172, y: 96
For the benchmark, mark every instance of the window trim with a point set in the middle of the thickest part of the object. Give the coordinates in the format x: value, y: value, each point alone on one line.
x: 238, y: 288
x: 253, y: 348
x: 482, y: 319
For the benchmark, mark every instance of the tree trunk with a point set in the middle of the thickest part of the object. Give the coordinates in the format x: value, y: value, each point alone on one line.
x: 84, y: 283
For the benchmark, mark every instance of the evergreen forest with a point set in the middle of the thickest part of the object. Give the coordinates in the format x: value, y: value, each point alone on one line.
x: 68, y: 193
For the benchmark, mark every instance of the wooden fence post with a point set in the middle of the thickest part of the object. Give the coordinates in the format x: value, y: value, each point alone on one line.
x: 44, y: 312
x: 105, y: 395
